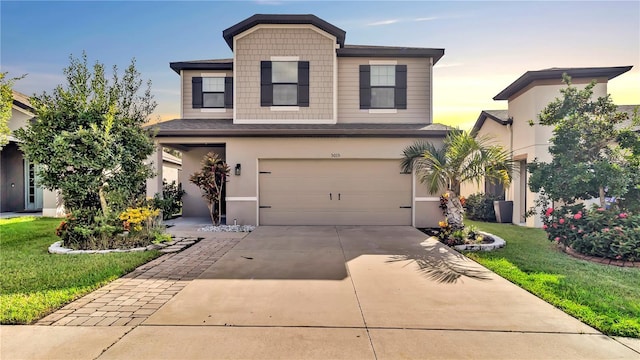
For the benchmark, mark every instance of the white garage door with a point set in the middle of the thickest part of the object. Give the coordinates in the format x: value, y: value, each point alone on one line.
x: 334, y: 192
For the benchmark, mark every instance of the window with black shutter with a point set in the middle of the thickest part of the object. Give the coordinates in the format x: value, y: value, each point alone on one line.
x: 212, y: 92
x: 284, y: 83
x: 383, y: 86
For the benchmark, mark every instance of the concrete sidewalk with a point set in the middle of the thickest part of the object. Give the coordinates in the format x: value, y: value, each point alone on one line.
x: 335, y: 292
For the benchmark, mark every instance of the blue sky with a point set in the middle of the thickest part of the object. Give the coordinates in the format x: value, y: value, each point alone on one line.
x: 487, y: 44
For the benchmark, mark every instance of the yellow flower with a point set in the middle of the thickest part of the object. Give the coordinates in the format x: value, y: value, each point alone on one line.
x: 443, y: 223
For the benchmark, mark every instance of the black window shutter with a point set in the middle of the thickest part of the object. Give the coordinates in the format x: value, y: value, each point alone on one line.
x: 228, y: 92
x: 401, y: 86
x: 303, y: 83
x: 365, y: 87
x: 266, y: 87
x: 196, y: 92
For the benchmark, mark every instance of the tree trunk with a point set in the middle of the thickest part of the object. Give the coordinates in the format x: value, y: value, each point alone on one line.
x: 220, y: 203
x: 213, y: 218
x: 103, y: 202
x: 455, y: 211
x: 602, y: 201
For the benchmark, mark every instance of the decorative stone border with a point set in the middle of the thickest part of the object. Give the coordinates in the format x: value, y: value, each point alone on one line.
x: 178, y: 244
x: 599, y: 260
x: 497, y: 243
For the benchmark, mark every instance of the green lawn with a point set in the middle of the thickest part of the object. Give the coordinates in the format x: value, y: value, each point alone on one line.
x: 34, y: 283
x: 605, y: 297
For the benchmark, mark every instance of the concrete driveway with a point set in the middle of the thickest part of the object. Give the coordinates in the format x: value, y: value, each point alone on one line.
x: 326, y: 292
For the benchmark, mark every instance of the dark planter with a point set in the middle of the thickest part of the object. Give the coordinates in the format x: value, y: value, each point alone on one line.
x: 504, y: 211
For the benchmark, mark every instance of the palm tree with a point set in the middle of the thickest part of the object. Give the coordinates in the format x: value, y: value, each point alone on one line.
x: 462, y: 158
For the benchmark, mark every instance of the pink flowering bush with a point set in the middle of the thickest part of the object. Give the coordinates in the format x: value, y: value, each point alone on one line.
x: 597, y: 232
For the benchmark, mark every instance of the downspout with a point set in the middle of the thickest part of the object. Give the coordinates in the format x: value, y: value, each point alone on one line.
x: 510, y: 129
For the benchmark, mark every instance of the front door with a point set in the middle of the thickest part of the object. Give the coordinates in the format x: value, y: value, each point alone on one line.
x: 32, y: 192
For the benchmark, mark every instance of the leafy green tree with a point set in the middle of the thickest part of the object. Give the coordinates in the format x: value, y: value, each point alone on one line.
x: 462, y: 158
x: 587, y: 160
x: 6, y: 104
x: 211, y: 179
x: 89, y: 139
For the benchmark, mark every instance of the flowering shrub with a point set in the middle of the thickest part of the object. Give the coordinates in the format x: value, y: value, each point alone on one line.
x: 597, y: 232
x: 450, y: 236
x: 137, y: 218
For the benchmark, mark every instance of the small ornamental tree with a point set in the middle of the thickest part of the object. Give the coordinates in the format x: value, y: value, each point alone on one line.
x: 589, y: 158
x: 463, y: 157
x: 211, y: 180
x: 89, y: 139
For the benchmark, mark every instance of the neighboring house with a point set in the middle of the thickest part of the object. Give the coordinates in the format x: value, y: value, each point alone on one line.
x: 171, y: 168
x: 526, y: 98
x: 312, y: 129
x: 19, y: 190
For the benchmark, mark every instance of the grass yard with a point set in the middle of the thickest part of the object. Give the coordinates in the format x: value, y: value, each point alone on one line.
x: 34, y: 283
x: 605, y: 297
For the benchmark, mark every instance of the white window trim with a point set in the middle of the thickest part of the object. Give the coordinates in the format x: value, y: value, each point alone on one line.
x: 285, y: 108
x: 213, y: 110
x: 383, y: 111
x: 383, y: 62
x: 213, y: 74
x: 285, y: 58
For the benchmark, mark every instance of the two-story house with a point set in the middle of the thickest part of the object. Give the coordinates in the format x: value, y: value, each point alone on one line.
x: 313, y: 129
x: 526, y: 97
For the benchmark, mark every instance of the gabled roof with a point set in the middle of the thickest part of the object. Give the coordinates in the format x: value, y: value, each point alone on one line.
x: 556, y: 73
x: 226, y: 127
x: 211, y: 64
x: 391, y: 51
x: 499, y: 116
x: 22, y: 101
x: 502, y: 117
x: 257, y: 19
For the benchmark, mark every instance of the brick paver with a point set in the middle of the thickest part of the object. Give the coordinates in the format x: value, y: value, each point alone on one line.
x: 133, y: 298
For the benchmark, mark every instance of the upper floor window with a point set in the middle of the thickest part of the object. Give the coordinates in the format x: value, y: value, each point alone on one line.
x: 284, y: 77
x: 284, y: 83
x: 383, y: 86
x: 212, y: 92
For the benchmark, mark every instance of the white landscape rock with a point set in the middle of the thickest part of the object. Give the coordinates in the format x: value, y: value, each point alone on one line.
x: 228, y: 228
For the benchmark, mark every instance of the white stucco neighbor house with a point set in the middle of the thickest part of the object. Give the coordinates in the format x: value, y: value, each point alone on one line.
x: 526, y: 97
x: 19, y: 189
x: 312, y: 128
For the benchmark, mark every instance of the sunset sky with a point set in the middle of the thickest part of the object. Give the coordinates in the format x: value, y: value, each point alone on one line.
x: 487, y: 44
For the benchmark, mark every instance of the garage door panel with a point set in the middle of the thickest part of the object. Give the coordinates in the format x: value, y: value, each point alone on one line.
x: 334, y: 192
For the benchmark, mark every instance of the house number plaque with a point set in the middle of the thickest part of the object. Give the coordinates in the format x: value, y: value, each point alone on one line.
x: 335, y: 155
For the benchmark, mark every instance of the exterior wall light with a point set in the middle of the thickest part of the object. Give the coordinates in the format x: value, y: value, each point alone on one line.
x: 238, y: 168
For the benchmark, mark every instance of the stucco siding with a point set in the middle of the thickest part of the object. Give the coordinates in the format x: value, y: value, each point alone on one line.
x: 243, y: 191
x: 418, y: 92
x: 532, y: 142
x: 261, y: 44
x: 188, y: 112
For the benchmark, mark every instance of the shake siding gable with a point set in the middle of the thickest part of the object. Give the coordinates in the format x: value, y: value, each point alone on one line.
x: 259, y: 45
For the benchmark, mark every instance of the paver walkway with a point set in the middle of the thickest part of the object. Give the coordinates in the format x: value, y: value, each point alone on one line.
x: 133, y: 298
